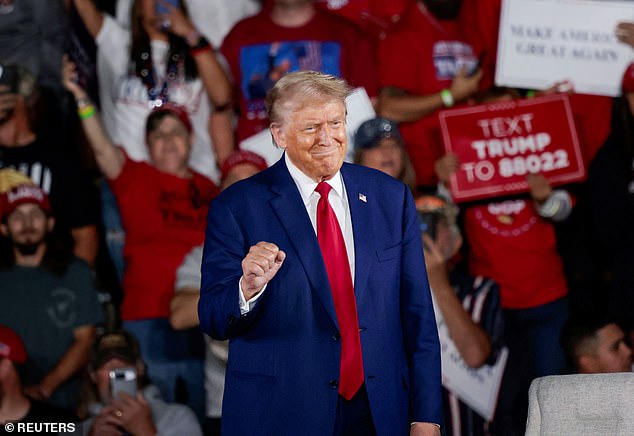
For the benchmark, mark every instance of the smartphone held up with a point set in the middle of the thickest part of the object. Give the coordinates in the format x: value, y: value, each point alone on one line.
x: 123, y: 380
x: 162, y: 6
x: 428, y: 222
x: 9, y: 77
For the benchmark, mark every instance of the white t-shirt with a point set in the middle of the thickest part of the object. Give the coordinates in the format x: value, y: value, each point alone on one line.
x: 125, y: 101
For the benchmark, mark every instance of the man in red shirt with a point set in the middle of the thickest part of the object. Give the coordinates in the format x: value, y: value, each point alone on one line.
x: 430, y: 61
x: 374, y: 16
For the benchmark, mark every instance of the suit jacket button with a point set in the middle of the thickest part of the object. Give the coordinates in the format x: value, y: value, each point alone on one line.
x: 336, y: 336
x: 334, y: 384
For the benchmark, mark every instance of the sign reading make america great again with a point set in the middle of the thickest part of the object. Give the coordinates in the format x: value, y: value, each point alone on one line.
x: 499, y: 144
x: 545, y: 41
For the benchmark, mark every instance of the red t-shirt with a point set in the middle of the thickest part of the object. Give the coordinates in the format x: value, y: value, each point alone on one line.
x: 164, y: 217
x: 484, y: 16
x: 374, y: 16
x: 259, y: 52
x: 514, y: 246
x: 422, y: 56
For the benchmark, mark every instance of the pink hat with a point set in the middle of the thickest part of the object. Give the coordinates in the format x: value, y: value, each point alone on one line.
x: 628, y: 79
x: 240, y: 157
x: 10, y: 200
x: 11, y: 345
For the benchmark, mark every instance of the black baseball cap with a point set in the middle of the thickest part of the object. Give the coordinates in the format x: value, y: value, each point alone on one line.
x: 118, y: 344
x: 370, y: 132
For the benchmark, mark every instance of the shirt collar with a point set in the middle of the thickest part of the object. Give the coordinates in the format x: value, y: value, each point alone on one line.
x: 307, y: 186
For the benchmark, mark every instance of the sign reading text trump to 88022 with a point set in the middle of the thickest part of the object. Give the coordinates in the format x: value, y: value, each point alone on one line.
x: 499, y: 144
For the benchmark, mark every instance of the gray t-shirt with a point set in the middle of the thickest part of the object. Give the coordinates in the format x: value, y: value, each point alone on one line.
x: 45, y: 309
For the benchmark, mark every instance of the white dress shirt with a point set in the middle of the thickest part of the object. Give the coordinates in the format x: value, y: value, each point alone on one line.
x: 338, y: 199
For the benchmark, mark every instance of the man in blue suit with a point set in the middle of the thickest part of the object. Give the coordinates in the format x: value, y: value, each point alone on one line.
x: 314, y: 270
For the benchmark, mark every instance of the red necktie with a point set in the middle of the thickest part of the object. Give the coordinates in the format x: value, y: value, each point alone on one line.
x: 333, y: 250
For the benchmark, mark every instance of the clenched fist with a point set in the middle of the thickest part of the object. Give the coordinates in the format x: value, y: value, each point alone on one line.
x: 260, y: 265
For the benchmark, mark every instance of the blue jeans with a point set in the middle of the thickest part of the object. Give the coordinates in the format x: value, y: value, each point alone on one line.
x: 174, y: 360
x: 532, y: 336
x: 113, y: 228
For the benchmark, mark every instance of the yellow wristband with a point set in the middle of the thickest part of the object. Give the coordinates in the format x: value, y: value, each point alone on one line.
x: 86, y: 111
x: 446, y: 97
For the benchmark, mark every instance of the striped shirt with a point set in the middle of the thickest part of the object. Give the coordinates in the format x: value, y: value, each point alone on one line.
x: 480, y: 297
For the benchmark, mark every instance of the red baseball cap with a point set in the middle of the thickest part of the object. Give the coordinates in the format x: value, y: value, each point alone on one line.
x: 175, y: 110
x: 22, y: 194
x: 240, y: 157
x: 11, y: 345
x: 628, y: 79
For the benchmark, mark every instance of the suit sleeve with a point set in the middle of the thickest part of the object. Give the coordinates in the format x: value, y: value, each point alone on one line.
x: 419, y: 325
x: 221, y: 269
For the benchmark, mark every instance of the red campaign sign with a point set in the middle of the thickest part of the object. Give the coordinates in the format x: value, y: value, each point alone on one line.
x: 498, y: 144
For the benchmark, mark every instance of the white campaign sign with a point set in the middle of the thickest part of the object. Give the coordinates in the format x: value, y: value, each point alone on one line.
x: 359, y: 108
x: 545, y: 41
x: 262, y: 143
x: 478, y: 388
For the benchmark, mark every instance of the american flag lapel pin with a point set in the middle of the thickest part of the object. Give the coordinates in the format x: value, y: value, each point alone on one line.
x: 363, y: 198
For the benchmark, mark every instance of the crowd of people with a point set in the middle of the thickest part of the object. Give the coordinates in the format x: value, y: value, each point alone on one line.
x: 121, y: 121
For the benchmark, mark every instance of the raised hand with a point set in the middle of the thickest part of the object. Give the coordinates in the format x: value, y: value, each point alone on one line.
x: 107, y: 423
x: 436, y: 265
x: 69, y: 78
x: 560, y: 87
x: 259, y: 266
x: 134, y: 414
x: 539, y: 186
x: 625, y: 32
x: 445, y: 166
x: 175, y: 21
x: 465, y: 85
x: 8, y: 100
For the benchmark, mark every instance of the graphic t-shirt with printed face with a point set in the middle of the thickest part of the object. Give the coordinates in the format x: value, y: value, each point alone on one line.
x: 514, y: 246
x: 259, y: 52
x: 164, y: 217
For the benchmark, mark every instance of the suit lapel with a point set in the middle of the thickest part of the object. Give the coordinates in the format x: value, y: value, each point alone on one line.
x: 359, y: 203
x: 289, y: 208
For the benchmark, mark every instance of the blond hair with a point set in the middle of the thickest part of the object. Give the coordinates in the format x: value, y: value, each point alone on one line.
x: 296, y: 90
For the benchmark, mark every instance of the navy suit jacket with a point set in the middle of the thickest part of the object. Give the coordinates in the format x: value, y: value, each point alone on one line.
x: 283, y: 368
